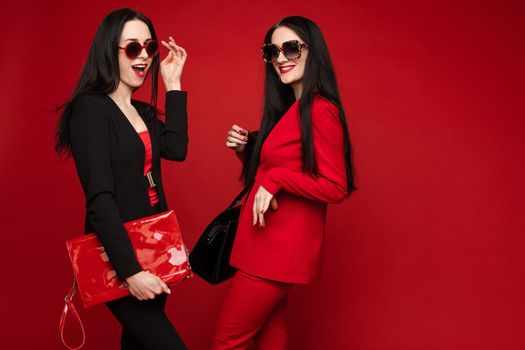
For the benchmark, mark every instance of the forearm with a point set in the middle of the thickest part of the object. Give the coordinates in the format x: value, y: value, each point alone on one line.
x: 103, y: 215
x: 174, y: 136
x: 317, y: 188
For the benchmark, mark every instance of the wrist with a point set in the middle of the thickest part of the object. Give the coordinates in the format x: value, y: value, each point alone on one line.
x: 132, y: 277
x: 269, y: 182
x: 173, y: 86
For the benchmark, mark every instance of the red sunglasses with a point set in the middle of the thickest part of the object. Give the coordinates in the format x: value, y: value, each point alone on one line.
x: 134, y: 48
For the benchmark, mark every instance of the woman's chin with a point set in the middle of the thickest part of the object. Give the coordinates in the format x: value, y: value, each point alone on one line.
x: 286, y: 80
x: 133, y: 84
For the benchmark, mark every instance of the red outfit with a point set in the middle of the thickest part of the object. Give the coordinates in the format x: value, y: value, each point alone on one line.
x: 288, y: 248
x: 152, y: 192
x: 254, y: 312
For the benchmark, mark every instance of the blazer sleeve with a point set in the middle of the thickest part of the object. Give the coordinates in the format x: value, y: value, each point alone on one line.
x: 89, y: 131
x: 329, y: 186
x: 174, y: 133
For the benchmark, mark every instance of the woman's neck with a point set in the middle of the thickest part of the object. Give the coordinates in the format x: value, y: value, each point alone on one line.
x: 297, y: 89
x: 122, y: 95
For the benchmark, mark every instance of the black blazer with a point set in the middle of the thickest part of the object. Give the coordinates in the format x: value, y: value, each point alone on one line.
x: 109, y: 156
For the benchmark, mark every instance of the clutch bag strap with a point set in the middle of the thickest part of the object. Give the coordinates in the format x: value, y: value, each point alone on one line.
x: 70, y: 307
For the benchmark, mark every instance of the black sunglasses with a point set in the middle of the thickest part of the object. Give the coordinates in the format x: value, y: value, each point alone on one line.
x: 291, y: 50
x: 134, y: 48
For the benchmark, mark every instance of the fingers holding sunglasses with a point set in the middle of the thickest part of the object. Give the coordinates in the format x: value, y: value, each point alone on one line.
x: 172, y: 65
x: 178, y: 51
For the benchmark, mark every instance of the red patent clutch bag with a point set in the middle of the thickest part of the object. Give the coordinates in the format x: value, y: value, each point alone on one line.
x: 159, y: 248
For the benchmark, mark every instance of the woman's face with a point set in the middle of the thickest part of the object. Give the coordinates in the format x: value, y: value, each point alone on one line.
x: 289, y: 71
x: 133, y: 71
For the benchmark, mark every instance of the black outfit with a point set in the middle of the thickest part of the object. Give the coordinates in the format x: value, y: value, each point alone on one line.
x: 109, y: 156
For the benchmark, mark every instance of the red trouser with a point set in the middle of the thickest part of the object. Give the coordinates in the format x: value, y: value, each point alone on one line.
x: 253, y: 315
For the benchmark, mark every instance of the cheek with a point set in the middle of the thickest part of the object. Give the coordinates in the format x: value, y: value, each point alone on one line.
x: 149, y: 62
x: 123, y: 62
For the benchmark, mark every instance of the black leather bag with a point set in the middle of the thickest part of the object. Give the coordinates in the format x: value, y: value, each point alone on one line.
x: 210, y: 258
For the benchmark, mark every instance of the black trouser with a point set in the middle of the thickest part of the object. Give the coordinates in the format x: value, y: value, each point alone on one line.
x: 145, y: 326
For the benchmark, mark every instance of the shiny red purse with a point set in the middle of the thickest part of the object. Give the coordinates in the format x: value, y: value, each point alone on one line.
x: 159, y: 248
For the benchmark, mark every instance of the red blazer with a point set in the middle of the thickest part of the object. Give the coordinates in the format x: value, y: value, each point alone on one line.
x: 289, y: 247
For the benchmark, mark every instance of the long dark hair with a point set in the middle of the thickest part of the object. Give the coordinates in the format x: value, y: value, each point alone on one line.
x: 100, y: 74
x: 319, y: 78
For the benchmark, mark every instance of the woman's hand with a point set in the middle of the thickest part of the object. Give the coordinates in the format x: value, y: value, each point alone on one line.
x: 171, y: 67
x: 237, y: 138
x: 144, y: 285
x: 263, y: 199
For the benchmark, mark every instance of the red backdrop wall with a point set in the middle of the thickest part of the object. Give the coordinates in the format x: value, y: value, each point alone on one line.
x: 428, y: 254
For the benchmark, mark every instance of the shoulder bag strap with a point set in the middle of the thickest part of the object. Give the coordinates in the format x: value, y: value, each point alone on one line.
x: 238, y: 198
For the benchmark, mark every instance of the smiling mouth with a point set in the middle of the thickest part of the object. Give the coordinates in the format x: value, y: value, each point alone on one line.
x: 285, y: 69
x: 139, y: 69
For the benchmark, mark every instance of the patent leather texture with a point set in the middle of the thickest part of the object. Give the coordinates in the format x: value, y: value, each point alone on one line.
x: 210, y: 258
x: 159, y: 248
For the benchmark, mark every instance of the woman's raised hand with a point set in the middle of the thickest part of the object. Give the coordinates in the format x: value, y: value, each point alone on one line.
x: 237, y: 138
x: 172, y: 65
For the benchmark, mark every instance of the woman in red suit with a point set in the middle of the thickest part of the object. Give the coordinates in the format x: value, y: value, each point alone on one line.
x: 300, y: 160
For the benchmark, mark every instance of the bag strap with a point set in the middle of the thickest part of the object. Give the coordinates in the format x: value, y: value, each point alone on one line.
x: 69, y: 306
x: 238, y: 198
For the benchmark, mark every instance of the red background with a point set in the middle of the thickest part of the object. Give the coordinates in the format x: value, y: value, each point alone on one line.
x: 429, y: 253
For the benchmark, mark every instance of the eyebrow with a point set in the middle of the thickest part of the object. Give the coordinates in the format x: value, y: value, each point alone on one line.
x: 133, y: 39
x: 300, y: 42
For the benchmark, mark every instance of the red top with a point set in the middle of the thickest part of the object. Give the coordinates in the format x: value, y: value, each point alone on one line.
x: 144, y: 136
x: 289, y: 247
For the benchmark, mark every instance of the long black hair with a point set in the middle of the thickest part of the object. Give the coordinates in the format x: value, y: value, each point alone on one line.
x: 319, y: 78
x: 100, y: 74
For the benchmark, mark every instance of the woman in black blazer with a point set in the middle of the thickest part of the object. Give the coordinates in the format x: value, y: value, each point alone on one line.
x: 117, y: 144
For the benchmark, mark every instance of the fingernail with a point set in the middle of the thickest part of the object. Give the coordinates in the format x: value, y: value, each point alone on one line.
x: 169, y: 291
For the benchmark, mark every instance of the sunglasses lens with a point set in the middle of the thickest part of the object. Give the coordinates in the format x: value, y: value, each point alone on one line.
x: 291, y: 49
x: 270, y: 53
x: 152, y: 49
x: 133, y: 50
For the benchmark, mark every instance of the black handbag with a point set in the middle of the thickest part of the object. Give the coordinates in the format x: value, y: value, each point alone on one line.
x: 210, y: 258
